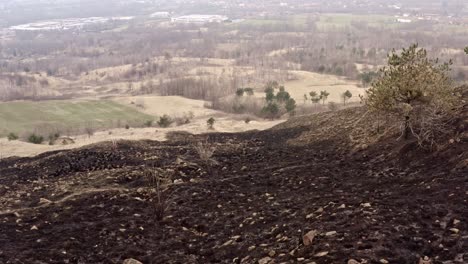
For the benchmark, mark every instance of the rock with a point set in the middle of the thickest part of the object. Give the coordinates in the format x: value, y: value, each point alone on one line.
x: 179, y: 161
x: 309, y: 216
x: 320, y: 210
x: 308, y: 238
x: 131, y: 261
x: 366, y: 205
x: 244, y: 168
x: 459, y: 258
x: 44, y: 201
x: 34, y: 227
x: 425, y: 260
x: 331, y: 233
x: 343, y: 206
x: 456, y: 221
x: 227, y: 243
x: 272, y: 253
x: 265, y: 260
x: 353, y: 261
x: 455, y: 230
x: 300, y: 259
x: 321, y: 254
x: 251, y: 248
x: 178, y: 181
x: 244, y: 260
x: 383, y: 261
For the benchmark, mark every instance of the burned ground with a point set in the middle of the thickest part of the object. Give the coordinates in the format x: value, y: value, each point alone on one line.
x: 264, y: 192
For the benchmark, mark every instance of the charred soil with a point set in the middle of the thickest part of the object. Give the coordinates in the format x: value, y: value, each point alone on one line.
x: 255, y: 201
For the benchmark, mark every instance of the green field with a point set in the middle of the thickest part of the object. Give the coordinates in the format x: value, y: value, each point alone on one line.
x: 47, y: 116
x: 324, y: 21
x: 298, y: 22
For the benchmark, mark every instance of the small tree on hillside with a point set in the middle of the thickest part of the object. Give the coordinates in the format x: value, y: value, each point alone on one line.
x: 367, y: 78
x: 346, y: 96
x: 12, y: 136
x: 290, y: 106
x: 466, y: 50
x: 314, y: 98
x: 269, y: 94
x: 324, y: 96
x: 210, y: 122
x: 271, y: 110
x: 417, y: 90
x: 240, y: 92
x: 282, y: 96
x: 165, y: 121
x: 35, y: 139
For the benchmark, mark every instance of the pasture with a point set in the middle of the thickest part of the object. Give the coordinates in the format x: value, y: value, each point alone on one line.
x: 23, y: 117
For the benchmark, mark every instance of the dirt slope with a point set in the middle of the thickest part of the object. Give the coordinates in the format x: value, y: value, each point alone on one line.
x: 256, y: 203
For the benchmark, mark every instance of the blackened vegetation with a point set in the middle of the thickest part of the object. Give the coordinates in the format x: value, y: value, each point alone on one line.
x: 261, y: 195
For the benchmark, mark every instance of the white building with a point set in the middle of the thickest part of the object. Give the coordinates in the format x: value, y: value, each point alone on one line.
x: 160, y: 15
x: 402, y: 20
x: 200, y: 19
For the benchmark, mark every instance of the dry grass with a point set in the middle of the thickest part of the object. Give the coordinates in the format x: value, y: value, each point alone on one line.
x: 205, y: 151
x: 309, y: 81
x: 159, y: 192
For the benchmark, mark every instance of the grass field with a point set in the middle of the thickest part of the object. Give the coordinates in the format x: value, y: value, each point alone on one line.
x: 328, y: 21
x: 297, y: 21
x: 26, y: 117
x: 310, y: 81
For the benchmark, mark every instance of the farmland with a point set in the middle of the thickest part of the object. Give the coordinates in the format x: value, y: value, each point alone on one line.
x: 24, y: 117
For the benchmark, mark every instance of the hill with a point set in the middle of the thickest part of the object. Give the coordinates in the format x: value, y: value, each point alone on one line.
x: 252, y: 201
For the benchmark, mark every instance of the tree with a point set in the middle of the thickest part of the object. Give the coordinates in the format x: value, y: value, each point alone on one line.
x: 346, y: 96
x: 324, y: 96
x: 290, y: 106
x: 271, y: 110
x: 306, y: 98
x: 367, y: 78
x: 149, y: 123
x: 165, y: 121
x: 282, y: 96
x: 35, y: 139
x: 12, y: 136
x: 240, y: 92
x: 466, y: 50
x: 210, y: 122
x: 269, y: 94
x: 314, y: 98
x: 416, y: 90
